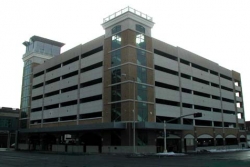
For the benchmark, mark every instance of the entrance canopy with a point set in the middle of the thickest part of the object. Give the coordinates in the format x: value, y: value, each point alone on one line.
x: 99, y: 126
x: 230, y: 136
x: 205, y: 136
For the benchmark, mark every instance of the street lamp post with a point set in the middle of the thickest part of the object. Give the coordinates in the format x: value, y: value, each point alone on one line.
x: 134, y: 149
x: 196, y: 115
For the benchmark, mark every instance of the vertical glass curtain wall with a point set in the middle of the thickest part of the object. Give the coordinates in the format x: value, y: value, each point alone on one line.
x: 116, y: 73
x: 27, y: 71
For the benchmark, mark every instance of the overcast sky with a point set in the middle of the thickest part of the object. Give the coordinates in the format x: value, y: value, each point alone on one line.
x: 215, y: 29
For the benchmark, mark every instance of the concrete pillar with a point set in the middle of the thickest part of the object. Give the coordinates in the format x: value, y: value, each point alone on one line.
x: 8, y: 139
x: 182, y: 145
x: 16, y: 140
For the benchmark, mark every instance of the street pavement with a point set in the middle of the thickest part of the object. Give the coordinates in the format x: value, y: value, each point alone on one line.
x: 45, y: 159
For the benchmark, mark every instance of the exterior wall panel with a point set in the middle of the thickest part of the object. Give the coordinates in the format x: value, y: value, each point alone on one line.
x: 92, y: 74
x: 51, y: 100
x: 37, y: 91
x: 229, y: 118
x: 167, y: 94
x: 52, y: 113
x: 52, y: 87
x: 68, y: 111
x: 186, y: 69
x: 167, y: 111
x: 226, y: 83
x: 37, y: 103
x: 215, y: 103
x: 91, y: 90
x: 228, y: 106
x: 53, y: 74
x: 68, y: 96
x: 165, y: 62
x: 70, y: 68
x: 68, y: 82
x: 202, y: 101
x: 95, y: 58
x: 36, y: 115
x: 91, y: 107
x: 227, y: 94
x: 187, y: 98
x: 166, y: 78
x: 200, y: 74
x: 38, y: 80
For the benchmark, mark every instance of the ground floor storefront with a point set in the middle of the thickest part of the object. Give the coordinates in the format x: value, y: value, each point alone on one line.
x: 121, y: 138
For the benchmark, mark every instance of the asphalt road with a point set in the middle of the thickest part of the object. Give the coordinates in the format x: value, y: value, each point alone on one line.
x: 35, y: 159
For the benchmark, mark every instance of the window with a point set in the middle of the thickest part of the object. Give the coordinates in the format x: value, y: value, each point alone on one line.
x: 116, y: 112
x: 167, y: 86
x: 202, y: 108
x: 116, y: 75
x: 166, y: 70
x: 142, y: 138
x: 186, y: 90
x: 38, y: 74
x: 199, y: 67
x: 92, y: 82
x: 140, y: 28
x: 5, y: 123
x: 215, y: 85
x: 116, y: 41
x: 142, y: 112
x: 91, y: 115
x: 116, y: 93
x: 116, y: 29
x: 225, y: 77
x: 185, y: 62
x: 226, y: 88
x: 200, y: 80
x: 163, y: 54
x: 70, y: 61
x: 185, y: 76
x: 116, y: 58
x: 167, y: 102
x: 140, y: 41
x: 91, y: 67
x: 91, y: 98
x: 141, y: 57
x: 186, y: 105
x: 70, y: 75
x: 213, y: 72
x: 201, y: 94
x: 68, y: 89
x: 96, y: 50
x: 141, y: 74
x: 142, y: 92
x: 53, y: 68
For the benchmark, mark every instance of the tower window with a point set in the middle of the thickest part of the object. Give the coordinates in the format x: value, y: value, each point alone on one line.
x: 140, y: 41
x: 140, y: 28
x: 116, y: 41
x: 116, y: 29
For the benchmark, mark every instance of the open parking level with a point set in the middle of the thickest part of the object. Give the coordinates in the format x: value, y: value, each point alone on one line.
x: 45, y: 159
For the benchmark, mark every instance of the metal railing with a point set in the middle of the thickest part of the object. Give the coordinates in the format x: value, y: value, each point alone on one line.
x: 127, y: 9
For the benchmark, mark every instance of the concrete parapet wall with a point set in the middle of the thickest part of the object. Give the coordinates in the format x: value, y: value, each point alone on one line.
x: 75, y: 149
x: 92, y: 149
x: 128, y: 149
x: 23, y: 146
x: 58, y: 148
x: 219, y: 147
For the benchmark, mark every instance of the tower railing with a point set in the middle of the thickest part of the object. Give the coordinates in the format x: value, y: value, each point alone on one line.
x: 127, y: 9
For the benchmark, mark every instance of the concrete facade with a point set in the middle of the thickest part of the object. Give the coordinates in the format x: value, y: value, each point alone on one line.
x: 127, y: 73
